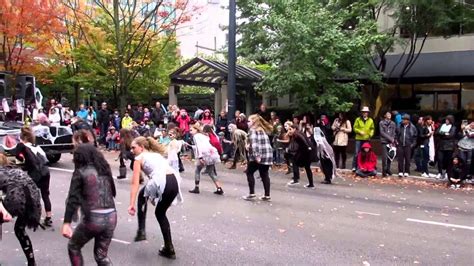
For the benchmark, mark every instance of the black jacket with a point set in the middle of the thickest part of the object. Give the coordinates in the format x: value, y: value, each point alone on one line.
x: 406, y: 135
x: 388, y: 131
x: 103, y: 116
x: 221, y: 122
x: 447, y: 142
x: 90, y: 191
x: 157, y: 116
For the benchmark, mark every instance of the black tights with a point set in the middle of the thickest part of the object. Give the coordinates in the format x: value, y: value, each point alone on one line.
x: 43, y: 185
x: 169, y: 194
x: 25, y: 241
x: 340, y: 155
x: 252, y: 167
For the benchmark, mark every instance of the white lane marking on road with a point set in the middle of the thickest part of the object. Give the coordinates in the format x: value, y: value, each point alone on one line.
x: 121, y: 241
x: 442, y: 224
x: 61, y: 169
x: 368, y: 213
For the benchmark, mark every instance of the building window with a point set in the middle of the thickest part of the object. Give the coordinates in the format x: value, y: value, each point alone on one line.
x: 273, y: 101
x: 467, y: 96
x: 438, y: 96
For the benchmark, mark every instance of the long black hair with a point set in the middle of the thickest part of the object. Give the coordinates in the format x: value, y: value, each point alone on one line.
x: 86, y: 154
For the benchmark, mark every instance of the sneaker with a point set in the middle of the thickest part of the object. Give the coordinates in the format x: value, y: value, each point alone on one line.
x: 400, y: 174
x: 458, y: 186
x: 48, y: 222
x: 425, y: 175
x: 445, y: 176
x: 309, y: 186
x: 250, y: 197
x: 265, y: 198
x: 219, y: 191
x: 406, y: 174
x: 438, y: 176
x: 293, y: 182
x: 354, y: 170
x: 195, y: 190
x: 327, y: 182
x: 432, y: 175
x: 141, y: 235
x: 453, y: 186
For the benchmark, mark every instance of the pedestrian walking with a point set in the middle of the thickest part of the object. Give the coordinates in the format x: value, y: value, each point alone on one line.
x: 22, y: 200
x: 35, y: 163
x: 406, y: 140
x: 341, y: 128
x: 387, y: 130
x: 92, y: 189
x: 206, y: 157
x: 300, y: 151
x: 366, y: 161
x: 260, y: 155
x: 364, y: 131
x: 446, y: 145
x: 162, y: 188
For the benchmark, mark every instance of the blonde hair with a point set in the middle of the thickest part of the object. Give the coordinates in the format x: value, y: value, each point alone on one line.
x: 150, y: 144
x: 260, y: 124
x: 197, y: 127
x: 288, y: 123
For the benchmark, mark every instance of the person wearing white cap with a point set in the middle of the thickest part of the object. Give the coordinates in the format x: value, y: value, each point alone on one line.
x: 364, y: 131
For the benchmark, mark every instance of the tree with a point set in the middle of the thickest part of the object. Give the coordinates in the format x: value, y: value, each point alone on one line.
x: 413, y: 21
x: 308, y: 51
x: 127, y: 38
x: 26, y: 27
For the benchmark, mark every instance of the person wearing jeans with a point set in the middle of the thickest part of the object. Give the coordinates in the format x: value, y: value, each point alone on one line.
x: 364, y: 131
x: 406, y: 140
x: 260, y: 155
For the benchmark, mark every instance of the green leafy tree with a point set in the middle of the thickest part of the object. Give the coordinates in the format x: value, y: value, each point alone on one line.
x: 308, y: 51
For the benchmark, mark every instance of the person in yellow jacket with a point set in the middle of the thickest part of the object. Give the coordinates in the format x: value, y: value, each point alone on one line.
x: 364, y: 131
x: 127, y: 121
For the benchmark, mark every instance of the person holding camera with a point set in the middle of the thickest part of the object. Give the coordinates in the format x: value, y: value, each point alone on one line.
x: 341, y: 128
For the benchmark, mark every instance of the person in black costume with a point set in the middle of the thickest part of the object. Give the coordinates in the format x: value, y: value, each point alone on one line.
x: 22, y: 200
x: 93, y: 190
x: 35, y: 163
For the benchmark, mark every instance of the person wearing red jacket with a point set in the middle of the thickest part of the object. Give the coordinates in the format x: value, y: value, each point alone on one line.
x: 213, y: 139
x: 366, y: 161
x: 183, y: 121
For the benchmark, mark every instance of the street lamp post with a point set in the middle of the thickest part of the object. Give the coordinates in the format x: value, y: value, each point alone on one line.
x: 231, y: 60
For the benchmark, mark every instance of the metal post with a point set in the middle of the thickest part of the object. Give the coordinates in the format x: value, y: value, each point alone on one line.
x: 231, y: 60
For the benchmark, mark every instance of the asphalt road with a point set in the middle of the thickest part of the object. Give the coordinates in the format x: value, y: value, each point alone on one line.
x: 353, y: 222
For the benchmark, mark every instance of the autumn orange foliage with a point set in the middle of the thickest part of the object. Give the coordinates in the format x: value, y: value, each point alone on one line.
x: 26, y: 27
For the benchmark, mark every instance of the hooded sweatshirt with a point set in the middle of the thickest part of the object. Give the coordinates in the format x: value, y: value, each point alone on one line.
x: 367, y: 161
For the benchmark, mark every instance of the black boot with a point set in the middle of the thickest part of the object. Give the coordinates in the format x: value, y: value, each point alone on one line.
x: 141, y: 235
x: 168, y: 252
x: 219, y: 191
x: 195, y: 190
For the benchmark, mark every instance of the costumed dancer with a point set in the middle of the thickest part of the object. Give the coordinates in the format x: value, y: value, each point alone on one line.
x: 239, y: 138
x: 162, y: 188
x: 206, y: 157
x: 325, y: 154
x: 21, y: 200
x: 92, y: 189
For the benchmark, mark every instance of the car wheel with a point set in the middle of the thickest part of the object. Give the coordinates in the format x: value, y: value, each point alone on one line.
x: 53, y: 158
